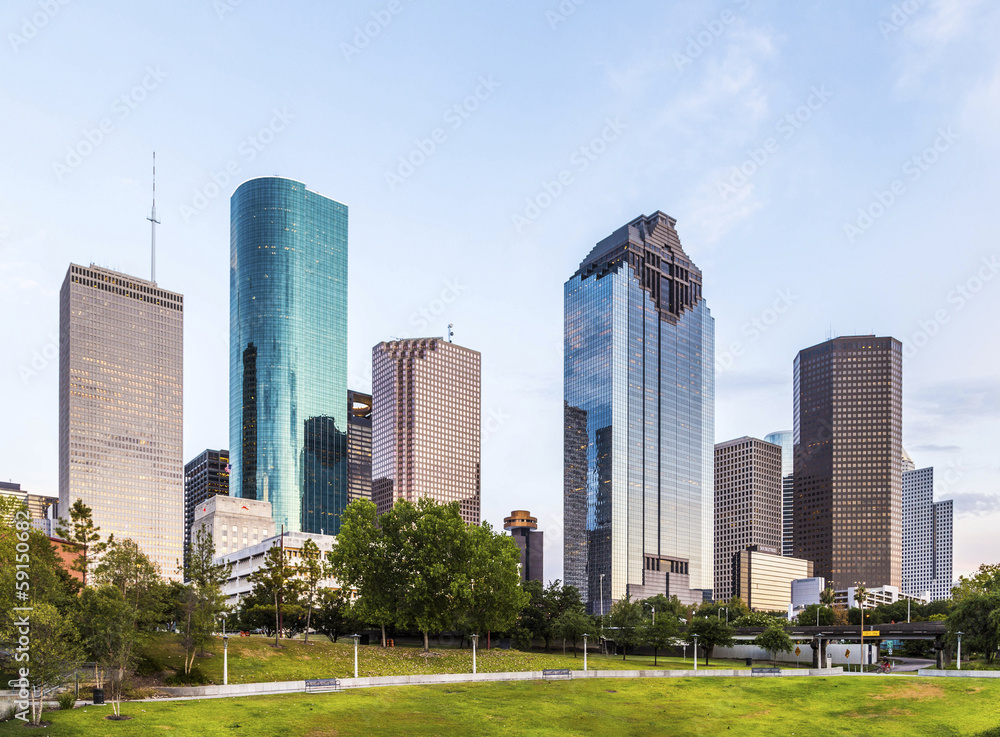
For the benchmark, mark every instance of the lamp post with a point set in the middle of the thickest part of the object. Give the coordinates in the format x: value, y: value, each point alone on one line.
x: 602, y: 595
x: 585, y: 653
x: 475, y: 638
x: 356, y: 638
x: 225, y: 660
x: 694, y: 652
x: 646, y: 603
x: 960, y: 633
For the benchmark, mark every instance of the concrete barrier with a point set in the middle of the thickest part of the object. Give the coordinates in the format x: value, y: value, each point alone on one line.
x: 934, y: 673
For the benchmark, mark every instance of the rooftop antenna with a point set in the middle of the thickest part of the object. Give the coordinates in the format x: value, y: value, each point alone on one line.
x: 450, y: 331
x: 153, y: 223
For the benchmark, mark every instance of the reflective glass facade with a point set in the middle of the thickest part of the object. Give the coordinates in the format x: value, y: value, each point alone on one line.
x: 638, y: 373
x: 288, y: 352
x: 785, y: 440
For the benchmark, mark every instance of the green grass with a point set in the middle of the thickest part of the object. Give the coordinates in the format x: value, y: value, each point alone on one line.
x: 255, y: 660
x: 788, y: 706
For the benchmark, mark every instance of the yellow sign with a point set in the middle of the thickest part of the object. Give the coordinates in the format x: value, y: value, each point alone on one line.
x: 798, y: 652
x: 870, y: 633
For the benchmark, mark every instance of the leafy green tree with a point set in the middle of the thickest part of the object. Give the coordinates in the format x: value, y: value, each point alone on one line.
x: 532, y: 622
x: 335, y: 615
x: 754, y: 619
x: 495, y: 594
x: 311, y: 572
x: 53, y: 653
x: 127, y: 568
x: 986, y: 580
x: 202, y: 600
x: 711, y: 631
x: 828, y: 596
x: 626, y: 623
x: 816, y: 615
x: 661, y: 631
x: 83, y: 531
x: 275, y: 581
x: 977, y: 616
x: 665, y: 605
x: 572, y: 625
x: 109, y: 625
x: 775, y: 640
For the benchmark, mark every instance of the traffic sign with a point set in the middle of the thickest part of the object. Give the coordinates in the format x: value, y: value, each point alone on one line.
x: 798, y: 651
x: 847, y: 653
x: 870, y: 633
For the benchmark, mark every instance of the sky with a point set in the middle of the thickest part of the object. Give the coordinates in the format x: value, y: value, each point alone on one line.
x: 831, y: 166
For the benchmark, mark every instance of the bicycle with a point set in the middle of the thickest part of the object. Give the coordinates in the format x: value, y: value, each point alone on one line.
x: 885, y: 667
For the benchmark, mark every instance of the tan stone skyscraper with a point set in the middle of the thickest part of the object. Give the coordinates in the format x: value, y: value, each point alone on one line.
x: 121, y: 398
x: 426, y: 424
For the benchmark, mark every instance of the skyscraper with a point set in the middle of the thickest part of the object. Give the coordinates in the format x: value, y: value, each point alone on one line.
x: 531, y: 541
x: 639, y: 376
x: 205, y: 476
x: 927, y: 537
x: 121, y: 401
x: 848, y: 460
x: 359, y: 446
x: 426, y: 424
x: 288, y: 352
x: 747, y: 505
x: 784, y: 439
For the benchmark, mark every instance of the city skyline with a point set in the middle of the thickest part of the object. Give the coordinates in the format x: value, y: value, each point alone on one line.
x: 673, y: 123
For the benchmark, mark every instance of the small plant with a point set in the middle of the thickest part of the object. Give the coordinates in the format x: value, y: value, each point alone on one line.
x: 66, y: 700
x: 195, y: 678
x: 9, y: 714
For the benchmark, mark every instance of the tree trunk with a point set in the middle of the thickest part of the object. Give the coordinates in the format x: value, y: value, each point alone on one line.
x: 384, y: 643
x: 654, y: 657
x: 427, y: 645
x: 308, y: 619
x: 277, y: 620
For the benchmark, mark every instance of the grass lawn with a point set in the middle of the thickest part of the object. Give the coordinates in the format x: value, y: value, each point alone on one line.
x: 255, y: 660
x: 765, y: 706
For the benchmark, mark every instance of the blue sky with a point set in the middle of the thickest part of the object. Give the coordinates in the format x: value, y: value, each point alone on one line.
x: 832, y: 168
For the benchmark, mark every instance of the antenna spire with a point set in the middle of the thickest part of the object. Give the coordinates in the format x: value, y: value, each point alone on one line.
x: 154, y: 222
x: 450, y: 331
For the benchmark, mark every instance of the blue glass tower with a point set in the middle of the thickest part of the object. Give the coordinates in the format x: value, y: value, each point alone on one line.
x: 288, y: 352
x: 639, y: 389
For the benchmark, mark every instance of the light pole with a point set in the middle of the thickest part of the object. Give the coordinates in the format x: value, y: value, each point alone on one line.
x: 356, y: 638
x: 654, y: 611
x: 475, y: 638
x: 960, y: 633
x: 225, y: 660
x: 602, y: 595
x: 695, y: 652
x: 585, y: 653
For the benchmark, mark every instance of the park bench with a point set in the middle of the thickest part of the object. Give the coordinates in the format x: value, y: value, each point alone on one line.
x: 319, y: 685
x: 556, y: 673
x: 765, y: 672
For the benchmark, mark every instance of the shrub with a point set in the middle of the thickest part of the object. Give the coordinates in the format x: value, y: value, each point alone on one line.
x: 66, y: 700
x: 195, y: 678
x: 149, y: 666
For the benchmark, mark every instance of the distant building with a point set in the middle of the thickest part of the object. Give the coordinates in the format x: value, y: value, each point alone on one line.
x: 927, y: 537
x: 524, y: 529
x: 575, y: 443
x: 807, y: 592
x: 44, y: 509
x: 747, y: 504
x: 786, y: 440
x: 876, y: 596
x: 67, y: 553
x: 234, y: 523
x: 763, y: 579
x: 426, y: 421
x: 359, y: 446
x: 121, y: 409
x: 204, y: 477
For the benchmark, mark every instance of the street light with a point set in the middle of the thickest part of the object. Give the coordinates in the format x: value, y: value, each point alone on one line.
x: 646, y: 603
x: 356, y: 638
x: 694, y: 652
x: 602, y: 594
x: 225, y: 660
x: 960, y: 633
x: 475, y: 638
x: 585, y: 652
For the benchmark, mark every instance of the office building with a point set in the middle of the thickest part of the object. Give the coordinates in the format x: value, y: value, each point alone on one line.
x: 40, y: 506
x: 234, y: 523
x: 426, y: 422
x: 121, y: 402
x: 927, y: 537
x: 359, y: 446
x: 763, y: 578
x: 747, y: 504
x: 205, y: 476
x: 639, y: 374
x: 288, y: 352
x: 807, y: 592
x: 785, y: 440
x: 524, y: 529
x: 848, y: 460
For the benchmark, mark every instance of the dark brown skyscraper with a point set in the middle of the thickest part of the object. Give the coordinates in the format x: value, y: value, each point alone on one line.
x: 848, y: 460
x: 359, y: 446
x: 524, y: 529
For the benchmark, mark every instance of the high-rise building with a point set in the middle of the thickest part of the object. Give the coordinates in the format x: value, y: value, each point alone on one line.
x: 205, y: 476
x: 43, y: 509
x: 121, y: 402
x: 764, y: 579
x: 426, y: 422
x: 359, y: 446
x: 524, y: 529
x: 927, y: 532
x: 747, y: 505
x: 639, y: 378
x: 784, y: 438
x: 848, y: 460
x: 288, y: 420
x: 234, y: 523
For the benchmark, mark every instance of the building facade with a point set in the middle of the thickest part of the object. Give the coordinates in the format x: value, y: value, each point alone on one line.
x: 426, y: 420
x: 531, y: 541
x: 785, y: 439
x: 121, y: 403
x: 639, y: 373
x: 205, y: 476
x: 848, y: 460
x: 359, y: 446
x: 747, y: 504
x: 927, y: 538
x: 763, y: 579
x: 288, y: 352
x: 234, y: 523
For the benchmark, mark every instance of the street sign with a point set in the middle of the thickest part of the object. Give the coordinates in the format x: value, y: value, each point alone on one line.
x: 798, y: 651
x: 847, y: 653
x: 870, y: 633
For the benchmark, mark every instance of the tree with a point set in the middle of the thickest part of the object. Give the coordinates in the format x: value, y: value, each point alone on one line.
x: 815, y: 615
x: 977, y: 616
x: 274, y: 581
x: 775, y: 640
x: 711, y: 631
x: 754, y: 619
x: 661, y: 631
x: 83, y: 531
x: 495, y: 594
x: 532, y: 622
x: 626, y: 622
x: 572, y: 625
x: 986, y: 580
x: 52, y: 654
x: 311, y: 571
x: 202, y: 599
x: 665, y: 605
x: 108, y: 623
x: 828, y: 596
x: 335, y: 615
x: 127, y: 568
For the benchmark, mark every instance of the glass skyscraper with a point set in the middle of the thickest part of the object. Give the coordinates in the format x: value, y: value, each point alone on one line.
x: 639, y: 388
x: 288, y: 352
x: 785, y: 439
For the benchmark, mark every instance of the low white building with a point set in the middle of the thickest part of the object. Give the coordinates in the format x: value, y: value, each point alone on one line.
x: 876, y: 597
x: 235, y: 523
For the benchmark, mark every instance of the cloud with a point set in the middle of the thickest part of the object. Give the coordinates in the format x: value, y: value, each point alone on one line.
x: 976, y: 504
x: 932, y: 448
x: 958, y: 401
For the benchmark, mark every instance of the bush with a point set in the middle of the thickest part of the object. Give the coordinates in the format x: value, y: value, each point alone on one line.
x: 66, y: 700
x: 195, y: 678
x: 149, y: 666
x: 9, y: 714
x: 994, y: 732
